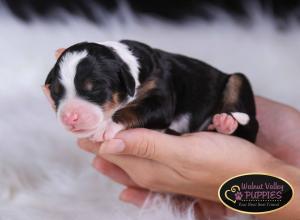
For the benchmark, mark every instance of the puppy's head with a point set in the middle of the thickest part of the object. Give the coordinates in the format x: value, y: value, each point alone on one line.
x: 89, y: 82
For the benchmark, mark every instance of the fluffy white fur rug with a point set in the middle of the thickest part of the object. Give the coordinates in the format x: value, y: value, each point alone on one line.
x: 43, y: 174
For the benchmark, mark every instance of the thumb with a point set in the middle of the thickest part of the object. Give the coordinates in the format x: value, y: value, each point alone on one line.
x: 144, y: 143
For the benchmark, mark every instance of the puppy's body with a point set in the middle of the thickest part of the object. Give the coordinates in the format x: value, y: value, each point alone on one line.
x: 134, y: 85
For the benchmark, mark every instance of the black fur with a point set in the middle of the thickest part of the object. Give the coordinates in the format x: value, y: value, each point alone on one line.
x: 103, y: 67
x: 187, y: 85
x: 183, y: 85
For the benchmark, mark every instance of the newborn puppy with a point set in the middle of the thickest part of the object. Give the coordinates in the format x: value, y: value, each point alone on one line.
x: 99, y: 89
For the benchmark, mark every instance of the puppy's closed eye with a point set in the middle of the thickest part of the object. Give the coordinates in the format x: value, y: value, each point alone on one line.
x: 57, y: 88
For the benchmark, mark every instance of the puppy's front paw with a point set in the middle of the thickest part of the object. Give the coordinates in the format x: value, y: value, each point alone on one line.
x: 112, y: 129
x: 98, y: 135
x: 224, y: 123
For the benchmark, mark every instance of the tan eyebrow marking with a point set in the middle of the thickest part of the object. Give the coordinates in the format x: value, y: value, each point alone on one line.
x: 110, y: 106
x: 232, y: 89
x: 128, y: 115
x: 88, y: 85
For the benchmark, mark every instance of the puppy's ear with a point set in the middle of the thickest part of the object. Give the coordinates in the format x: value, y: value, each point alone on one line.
x: 128, y: 81
x: 58, y: 52
x: 50, y: 77
x: 46, y: 91
x: 46, y: 88
x: 147, y: 57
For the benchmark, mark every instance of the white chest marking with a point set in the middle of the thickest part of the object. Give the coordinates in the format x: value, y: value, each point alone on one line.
x: 181, y: 123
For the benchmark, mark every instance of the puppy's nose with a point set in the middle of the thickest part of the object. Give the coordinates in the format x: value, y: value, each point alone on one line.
x: 70, y: 118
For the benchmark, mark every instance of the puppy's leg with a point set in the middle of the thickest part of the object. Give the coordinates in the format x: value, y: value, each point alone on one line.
x: 238, y: 108
x: 151, y: 110
x: 112, y: 129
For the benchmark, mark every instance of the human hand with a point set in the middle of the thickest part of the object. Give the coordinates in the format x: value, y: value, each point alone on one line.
x: 185, y: 165
x: 268, y: 136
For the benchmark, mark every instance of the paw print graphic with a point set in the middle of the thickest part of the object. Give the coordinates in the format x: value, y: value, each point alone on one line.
x: 238, y: 196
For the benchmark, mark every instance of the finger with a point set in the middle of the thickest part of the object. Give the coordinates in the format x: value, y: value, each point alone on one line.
x: 88, y: 145
x: 146, y: 144
x: 146, y: 173
x: 112, y: 171
x: 58, y: 52
x: 134, y: 196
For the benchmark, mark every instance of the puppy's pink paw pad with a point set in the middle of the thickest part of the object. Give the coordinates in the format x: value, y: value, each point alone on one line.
x: 224, y: 123
x: 111, y: 130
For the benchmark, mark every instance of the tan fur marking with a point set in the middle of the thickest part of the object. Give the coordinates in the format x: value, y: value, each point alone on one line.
x: 88, y: 85
x: 145, y: 88
x: 127, y: 117
x: 110, y: 106
x: 232, y: 89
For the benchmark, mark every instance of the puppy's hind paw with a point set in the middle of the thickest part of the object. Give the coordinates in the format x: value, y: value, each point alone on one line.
x: 224, y: 123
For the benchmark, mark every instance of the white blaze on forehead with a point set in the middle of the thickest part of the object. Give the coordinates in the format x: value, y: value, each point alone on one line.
x: 126, y: 55
x: 91, y: 116
x: 68, y: 66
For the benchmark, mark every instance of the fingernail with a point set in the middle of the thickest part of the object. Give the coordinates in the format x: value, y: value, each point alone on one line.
x: 113, y: 146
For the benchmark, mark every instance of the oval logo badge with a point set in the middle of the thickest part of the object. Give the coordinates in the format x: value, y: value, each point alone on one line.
x: 255, y: 193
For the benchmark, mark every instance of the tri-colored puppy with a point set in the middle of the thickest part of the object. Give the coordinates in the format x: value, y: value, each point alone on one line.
x: 99, y: 89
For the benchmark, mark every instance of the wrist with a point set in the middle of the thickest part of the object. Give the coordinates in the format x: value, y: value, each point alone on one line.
x: 291, y: 174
